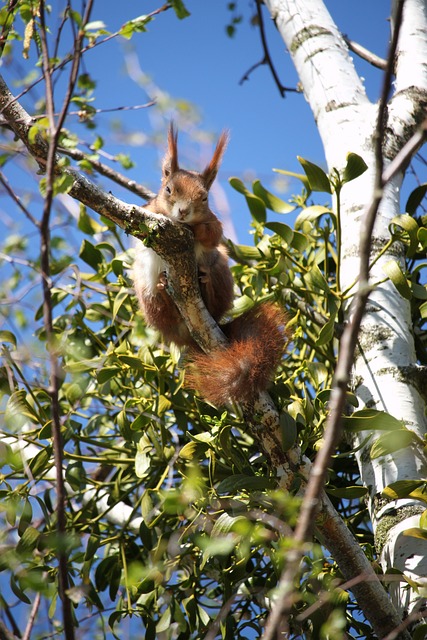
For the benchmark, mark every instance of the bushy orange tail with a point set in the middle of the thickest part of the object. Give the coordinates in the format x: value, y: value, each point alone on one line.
x: 240, y: 370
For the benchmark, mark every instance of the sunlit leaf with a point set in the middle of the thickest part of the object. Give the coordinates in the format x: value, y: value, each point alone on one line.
x: 391, y: 442
x: 393, y: 270
x: 372, y: 420
x: 354, y: 168
x: 282, y: 230
x: 255, y: 204
x: 270, y: 200
x: 409, y: 225
x: 316, y: 177
x: 416, y: 489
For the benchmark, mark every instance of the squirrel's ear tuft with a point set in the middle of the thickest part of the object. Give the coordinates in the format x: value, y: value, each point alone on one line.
x: 210, y: 173
x: 170, y: 161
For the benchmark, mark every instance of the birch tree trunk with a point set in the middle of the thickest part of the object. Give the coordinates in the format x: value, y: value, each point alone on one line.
x: 385, y: 369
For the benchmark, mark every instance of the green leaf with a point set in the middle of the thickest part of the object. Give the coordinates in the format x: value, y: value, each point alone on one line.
x: 312, y: 213
x: 415, y: 199
x: 165, y: 622
x: 203, y: 615
x: 29, y: 540
x: 415, y: 532
x: 420, y: 632
x: 282, y: 230
x: 224, y: 524
x: 256, y: 205
x: 243, y: 252
x: 391, y: 442
x: 188, y: 450
x: 318, y: 372
x: 18, y: 591
x: 416, y: 489
x: 419, y: 291
x: 422, y: 237
x: 371, y: 420
x: 299, y: 242
x: 300, y: 176
x: 26, y: 517
x: 354, y: 168
x: 120, y: 298
x: 271, y: 201
x: 106, y: 373
x: 410, y: 226
x: 288, y: 429
x: 90, y: 254
x: 7, y: 336
x: 243, y: 482
x: 317, y: 178
x: 87, y: 224
x: 41, y: 462
x: 326, y: 333
x: 394, y: 272
x: 132, y: 361
x: 315, y: 279
x: 180, y: 9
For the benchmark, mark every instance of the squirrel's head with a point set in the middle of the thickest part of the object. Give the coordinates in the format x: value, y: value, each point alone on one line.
x: 185, y: 193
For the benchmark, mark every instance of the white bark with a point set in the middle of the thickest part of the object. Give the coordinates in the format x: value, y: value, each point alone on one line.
x: 346, y: 121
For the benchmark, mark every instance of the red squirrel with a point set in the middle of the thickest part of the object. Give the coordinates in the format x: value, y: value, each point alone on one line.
x: 242, y: 369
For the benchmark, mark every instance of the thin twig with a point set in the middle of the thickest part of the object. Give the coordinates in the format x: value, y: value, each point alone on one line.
x: 18, y: 200
x: 82, y: 113
x: 108, y: 172
x: 267, y: 58
x: 277, y: 620
x: 32, y: 618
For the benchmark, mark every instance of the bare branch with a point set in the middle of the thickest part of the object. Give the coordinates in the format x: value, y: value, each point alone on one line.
x: 365, y: 54
x: 18, y: 200
x: 108, y: 172
x: 82, y: 114
x: 32, y: 617
x: 267, y: 58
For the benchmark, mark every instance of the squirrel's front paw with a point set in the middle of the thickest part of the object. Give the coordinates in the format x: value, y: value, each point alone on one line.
x: 163, y: 281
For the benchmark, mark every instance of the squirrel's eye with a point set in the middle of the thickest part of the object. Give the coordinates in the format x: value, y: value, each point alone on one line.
x: 205, y: 199
x: 168, y: 189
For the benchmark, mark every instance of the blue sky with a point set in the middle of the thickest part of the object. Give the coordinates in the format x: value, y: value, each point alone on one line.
x: 195, y: 61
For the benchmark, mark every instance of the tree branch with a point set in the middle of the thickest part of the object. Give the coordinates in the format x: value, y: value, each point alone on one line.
x: 365, y: 54
x: 267, y: 58
x: 108, y: 172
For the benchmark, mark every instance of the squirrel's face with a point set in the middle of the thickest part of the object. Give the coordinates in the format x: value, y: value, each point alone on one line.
x: 185, y: 197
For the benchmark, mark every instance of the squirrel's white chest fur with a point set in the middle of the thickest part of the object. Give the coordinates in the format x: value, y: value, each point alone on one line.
x: 146, y: 270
